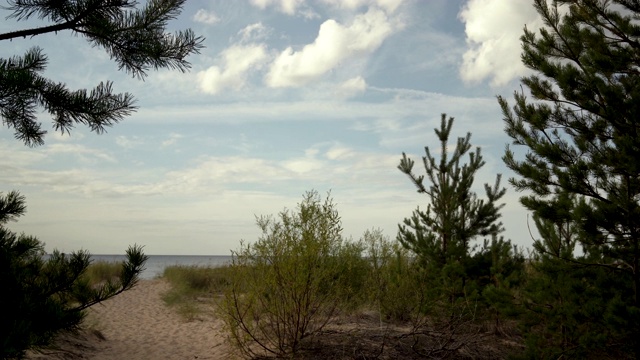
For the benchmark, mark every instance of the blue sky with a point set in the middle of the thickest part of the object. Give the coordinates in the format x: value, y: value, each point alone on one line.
x: 287, y: 96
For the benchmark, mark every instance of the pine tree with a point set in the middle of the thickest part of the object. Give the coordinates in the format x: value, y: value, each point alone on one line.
x: 42, y: 297
x: 134, y: 38
x: 454, y: 216
x: 582, y: 166
x: 464, y: 282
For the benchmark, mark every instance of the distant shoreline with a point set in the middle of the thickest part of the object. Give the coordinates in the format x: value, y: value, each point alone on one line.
x: 154, y: 267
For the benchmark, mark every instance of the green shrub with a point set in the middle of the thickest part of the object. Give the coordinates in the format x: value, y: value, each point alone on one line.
x: 353, y: 271
x: 288, y: 285
x: 396, y: 284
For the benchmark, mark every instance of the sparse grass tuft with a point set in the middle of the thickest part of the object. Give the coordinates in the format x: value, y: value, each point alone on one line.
x: 102, y: 271
x: 198, y: 279
x: 194, y: 286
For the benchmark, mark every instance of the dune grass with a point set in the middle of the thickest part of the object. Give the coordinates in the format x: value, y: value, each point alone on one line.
x: 193, y: 288
x: 101, y: 271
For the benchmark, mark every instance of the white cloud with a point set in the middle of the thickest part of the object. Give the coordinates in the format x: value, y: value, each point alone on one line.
x: 303, y: 165
x: 253, y: 33
x: 70, y: 181
x: 237, y: 61
x: 323, y: 164
x: 288, y: 7
x: 493, y: 29
x: 20, y: 156
x: 310, y: 152
x: 64, y: 137
x: 172, y: 140
x: 84, y: 153
x: 335, y: 43
x: 393, y: 104
x: 353, y: 86
x: 128, y: 142
x: 206, y: 17
x: 388, y: 5
x: 212, y: 171
x: 339, y: 152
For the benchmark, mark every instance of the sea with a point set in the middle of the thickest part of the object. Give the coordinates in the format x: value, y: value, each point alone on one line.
x: 154, y: 267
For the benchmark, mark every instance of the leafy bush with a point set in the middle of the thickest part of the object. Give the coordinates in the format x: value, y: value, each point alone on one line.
x: 397, y: 282
x: 288, y: 285
x: 355, y: 270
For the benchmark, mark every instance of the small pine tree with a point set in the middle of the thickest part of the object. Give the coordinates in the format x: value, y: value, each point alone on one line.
x: 455, y: 216
x: 464, y: 281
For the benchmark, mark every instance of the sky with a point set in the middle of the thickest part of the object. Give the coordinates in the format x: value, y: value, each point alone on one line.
x: 287, y: 96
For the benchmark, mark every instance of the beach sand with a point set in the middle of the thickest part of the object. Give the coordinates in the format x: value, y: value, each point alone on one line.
x: 138, y: 325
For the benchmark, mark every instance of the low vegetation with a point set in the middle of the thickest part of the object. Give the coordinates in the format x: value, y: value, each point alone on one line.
x: 100, y: 272
x: 371, y: 303
x: 194, y: 287
x: 287, y: 286
x: 303, y: 291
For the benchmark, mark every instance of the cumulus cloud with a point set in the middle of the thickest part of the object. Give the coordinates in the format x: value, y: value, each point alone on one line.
x: 335, y: 43
x: 493, y: 29
x: 288, y: 7
x: 237, y: 62
x: 206, y: 17
x: 388, y: 5
x: 253, y: 33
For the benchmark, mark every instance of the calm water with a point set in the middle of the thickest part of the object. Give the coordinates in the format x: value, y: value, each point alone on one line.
x: 156, y: 263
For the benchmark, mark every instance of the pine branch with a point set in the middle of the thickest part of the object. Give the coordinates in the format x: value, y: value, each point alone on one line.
x: 37, y: 31
x: 135, y: 39
x: 12, y: 206
x: 23, y: 10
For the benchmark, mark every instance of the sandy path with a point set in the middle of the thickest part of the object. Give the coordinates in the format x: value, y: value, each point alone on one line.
x: 138, y: 325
